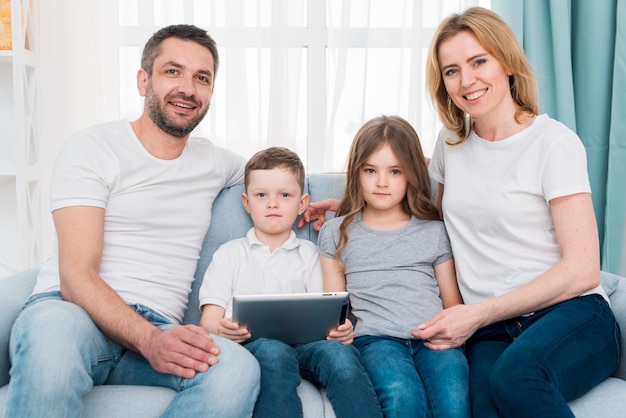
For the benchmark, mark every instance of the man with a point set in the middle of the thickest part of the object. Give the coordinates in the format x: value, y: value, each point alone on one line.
x: 131, y: 203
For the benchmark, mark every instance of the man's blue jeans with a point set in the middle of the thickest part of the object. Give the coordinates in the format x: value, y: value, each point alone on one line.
x: 413, y: 381
x: 532, y: 366
x: 58, y: 354
x: 328, y: 363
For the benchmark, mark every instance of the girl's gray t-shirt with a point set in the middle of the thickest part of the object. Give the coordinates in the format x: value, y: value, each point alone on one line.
x: 390, y: 274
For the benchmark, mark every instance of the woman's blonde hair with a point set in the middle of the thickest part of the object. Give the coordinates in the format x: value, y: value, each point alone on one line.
x: 400, y: 136
x: 499, y: 41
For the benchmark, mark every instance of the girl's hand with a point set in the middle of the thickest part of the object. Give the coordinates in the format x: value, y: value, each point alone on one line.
x: 450, y: 328
x: 232, y: 330
x: 344, y: 333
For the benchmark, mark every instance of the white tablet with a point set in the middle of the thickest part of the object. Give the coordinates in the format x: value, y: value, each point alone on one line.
x: 295, y: 318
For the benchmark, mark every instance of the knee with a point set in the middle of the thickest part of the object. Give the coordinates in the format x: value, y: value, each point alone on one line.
x: 235, y: 362
x: 49, y: 337
x: 507, y: 377
x: 402, y: 395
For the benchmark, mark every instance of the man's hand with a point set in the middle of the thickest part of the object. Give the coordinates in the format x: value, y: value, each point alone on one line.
x: 344, y: 333
x: 317, y: 212
x: 182, y: 350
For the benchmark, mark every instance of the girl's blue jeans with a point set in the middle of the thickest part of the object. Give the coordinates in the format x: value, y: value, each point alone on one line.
x: 413, y: 381
x: 532, y: 366
x: 58, y: 354
x: 331, y: 364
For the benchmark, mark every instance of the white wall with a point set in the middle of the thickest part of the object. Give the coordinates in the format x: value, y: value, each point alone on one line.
x: 68, y: 49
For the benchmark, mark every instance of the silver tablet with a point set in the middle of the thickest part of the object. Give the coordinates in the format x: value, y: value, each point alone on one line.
x: 295, y: 318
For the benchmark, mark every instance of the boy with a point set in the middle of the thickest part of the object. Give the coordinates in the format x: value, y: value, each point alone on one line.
x: 274, y: 197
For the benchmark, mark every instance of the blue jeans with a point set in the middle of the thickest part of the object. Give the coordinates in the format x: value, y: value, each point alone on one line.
x: 413, y: 381
x: 328, y: 363
x: 532, y: 366
x: 58, y: 354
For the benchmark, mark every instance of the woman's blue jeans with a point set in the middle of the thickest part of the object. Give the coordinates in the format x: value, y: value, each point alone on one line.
x: 413, y: 381
x: 532, y: 366
x: 58, y: 354
x: 331, y: 364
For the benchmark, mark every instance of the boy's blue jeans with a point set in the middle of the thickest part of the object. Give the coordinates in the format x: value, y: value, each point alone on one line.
x: 413, y: 381
x: 58, y: 354
x: 335, y: 366
x: 532, y: 366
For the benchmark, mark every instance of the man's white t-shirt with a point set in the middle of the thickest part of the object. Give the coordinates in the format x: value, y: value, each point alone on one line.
x: 495, y: 203
x: 157, y: 212
x: 245, y: 266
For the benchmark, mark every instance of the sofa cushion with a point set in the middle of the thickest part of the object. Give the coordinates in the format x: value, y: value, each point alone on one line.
x: 609, y: 282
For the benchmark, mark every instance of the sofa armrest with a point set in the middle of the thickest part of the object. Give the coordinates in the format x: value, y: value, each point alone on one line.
x: 14, y: 290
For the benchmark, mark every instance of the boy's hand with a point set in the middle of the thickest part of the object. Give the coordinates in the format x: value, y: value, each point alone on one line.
x: 344, y: 333
x: 229, y: 329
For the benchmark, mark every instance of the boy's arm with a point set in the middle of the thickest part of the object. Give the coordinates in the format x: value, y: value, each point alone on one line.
x: 445, y: 275
x: 213, y: 320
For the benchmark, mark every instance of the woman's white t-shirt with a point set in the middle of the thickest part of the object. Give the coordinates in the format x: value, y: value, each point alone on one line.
x: 496, y: 203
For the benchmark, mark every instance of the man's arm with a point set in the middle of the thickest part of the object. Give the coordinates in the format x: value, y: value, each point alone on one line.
x: 182, y: 350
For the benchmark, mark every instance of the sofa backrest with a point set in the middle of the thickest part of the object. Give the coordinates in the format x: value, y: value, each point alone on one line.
x: 229, y: 220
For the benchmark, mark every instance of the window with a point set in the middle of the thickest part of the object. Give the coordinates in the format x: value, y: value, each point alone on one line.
x: 297, y: 73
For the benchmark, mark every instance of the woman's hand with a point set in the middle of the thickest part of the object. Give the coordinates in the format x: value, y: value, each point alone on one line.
x: 450, y: 328
x: 344, y: 333
x: 317, y: 212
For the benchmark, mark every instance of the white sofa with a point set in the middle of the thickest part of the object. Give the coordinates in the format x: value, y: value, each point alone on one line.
x: 230, y: 221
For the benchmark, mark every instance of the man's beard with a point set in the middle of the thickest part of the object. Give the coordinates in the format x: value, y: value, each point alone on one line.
x: 160, y: 119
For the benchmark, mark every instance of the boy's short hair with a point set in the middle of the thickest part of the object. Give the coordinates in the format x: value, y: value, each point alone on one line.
x: 276, y: 157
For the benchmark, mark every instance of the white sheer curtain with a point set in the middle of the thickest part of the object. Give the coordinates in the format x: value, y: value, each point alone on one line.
x: 305, y: 74
x: 302, y: 74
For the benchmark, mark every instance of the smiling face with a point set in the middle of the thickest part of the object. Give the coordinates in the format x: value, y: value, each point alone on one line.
x: 178, y: 93
x: 274, y: 199
x: 383, y: 182
x: 475, y: 81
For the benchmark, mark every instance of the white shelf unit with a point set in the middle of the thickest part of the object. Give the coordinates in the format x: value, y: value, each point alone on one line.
x: 20, y: 191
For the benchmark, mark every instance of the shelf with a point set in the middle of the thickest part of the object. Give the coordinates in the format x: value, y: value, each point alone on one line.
x: 6, y: 57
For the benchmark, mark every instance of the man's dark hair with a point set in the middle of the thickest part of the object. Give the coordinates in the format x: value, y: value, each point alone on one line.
x: 184, y: 32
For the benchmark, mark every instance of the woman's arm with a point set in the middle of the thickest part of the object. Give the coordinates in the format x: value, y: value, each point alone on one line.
x: 577, y: 272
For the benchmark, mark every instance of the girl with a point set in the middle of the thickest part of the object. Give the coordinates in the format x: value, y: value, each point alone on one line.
x: 390, y: 250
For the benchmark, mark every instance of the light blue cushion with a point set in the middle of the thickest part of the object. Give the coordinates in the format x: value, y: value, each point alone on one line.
x: 609, y: 282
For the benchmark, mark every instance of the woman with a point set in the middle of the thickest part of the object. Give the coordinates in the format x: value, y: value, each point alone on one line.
x: 537, y: 325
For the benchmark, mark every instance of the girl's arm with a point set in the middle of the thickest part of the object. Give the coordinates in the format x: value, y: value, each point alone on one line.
x: 213, y: 320
x: 445, y: 274
x: 335, y: 281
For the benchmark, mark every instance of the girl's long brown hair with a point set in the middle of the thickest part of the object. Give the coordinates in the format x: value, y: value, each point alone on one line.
x: 405, y: 144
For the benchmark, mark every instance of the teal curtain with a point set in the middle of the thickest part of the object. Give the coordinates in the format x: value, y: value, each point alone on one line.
x: 578, y: 50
